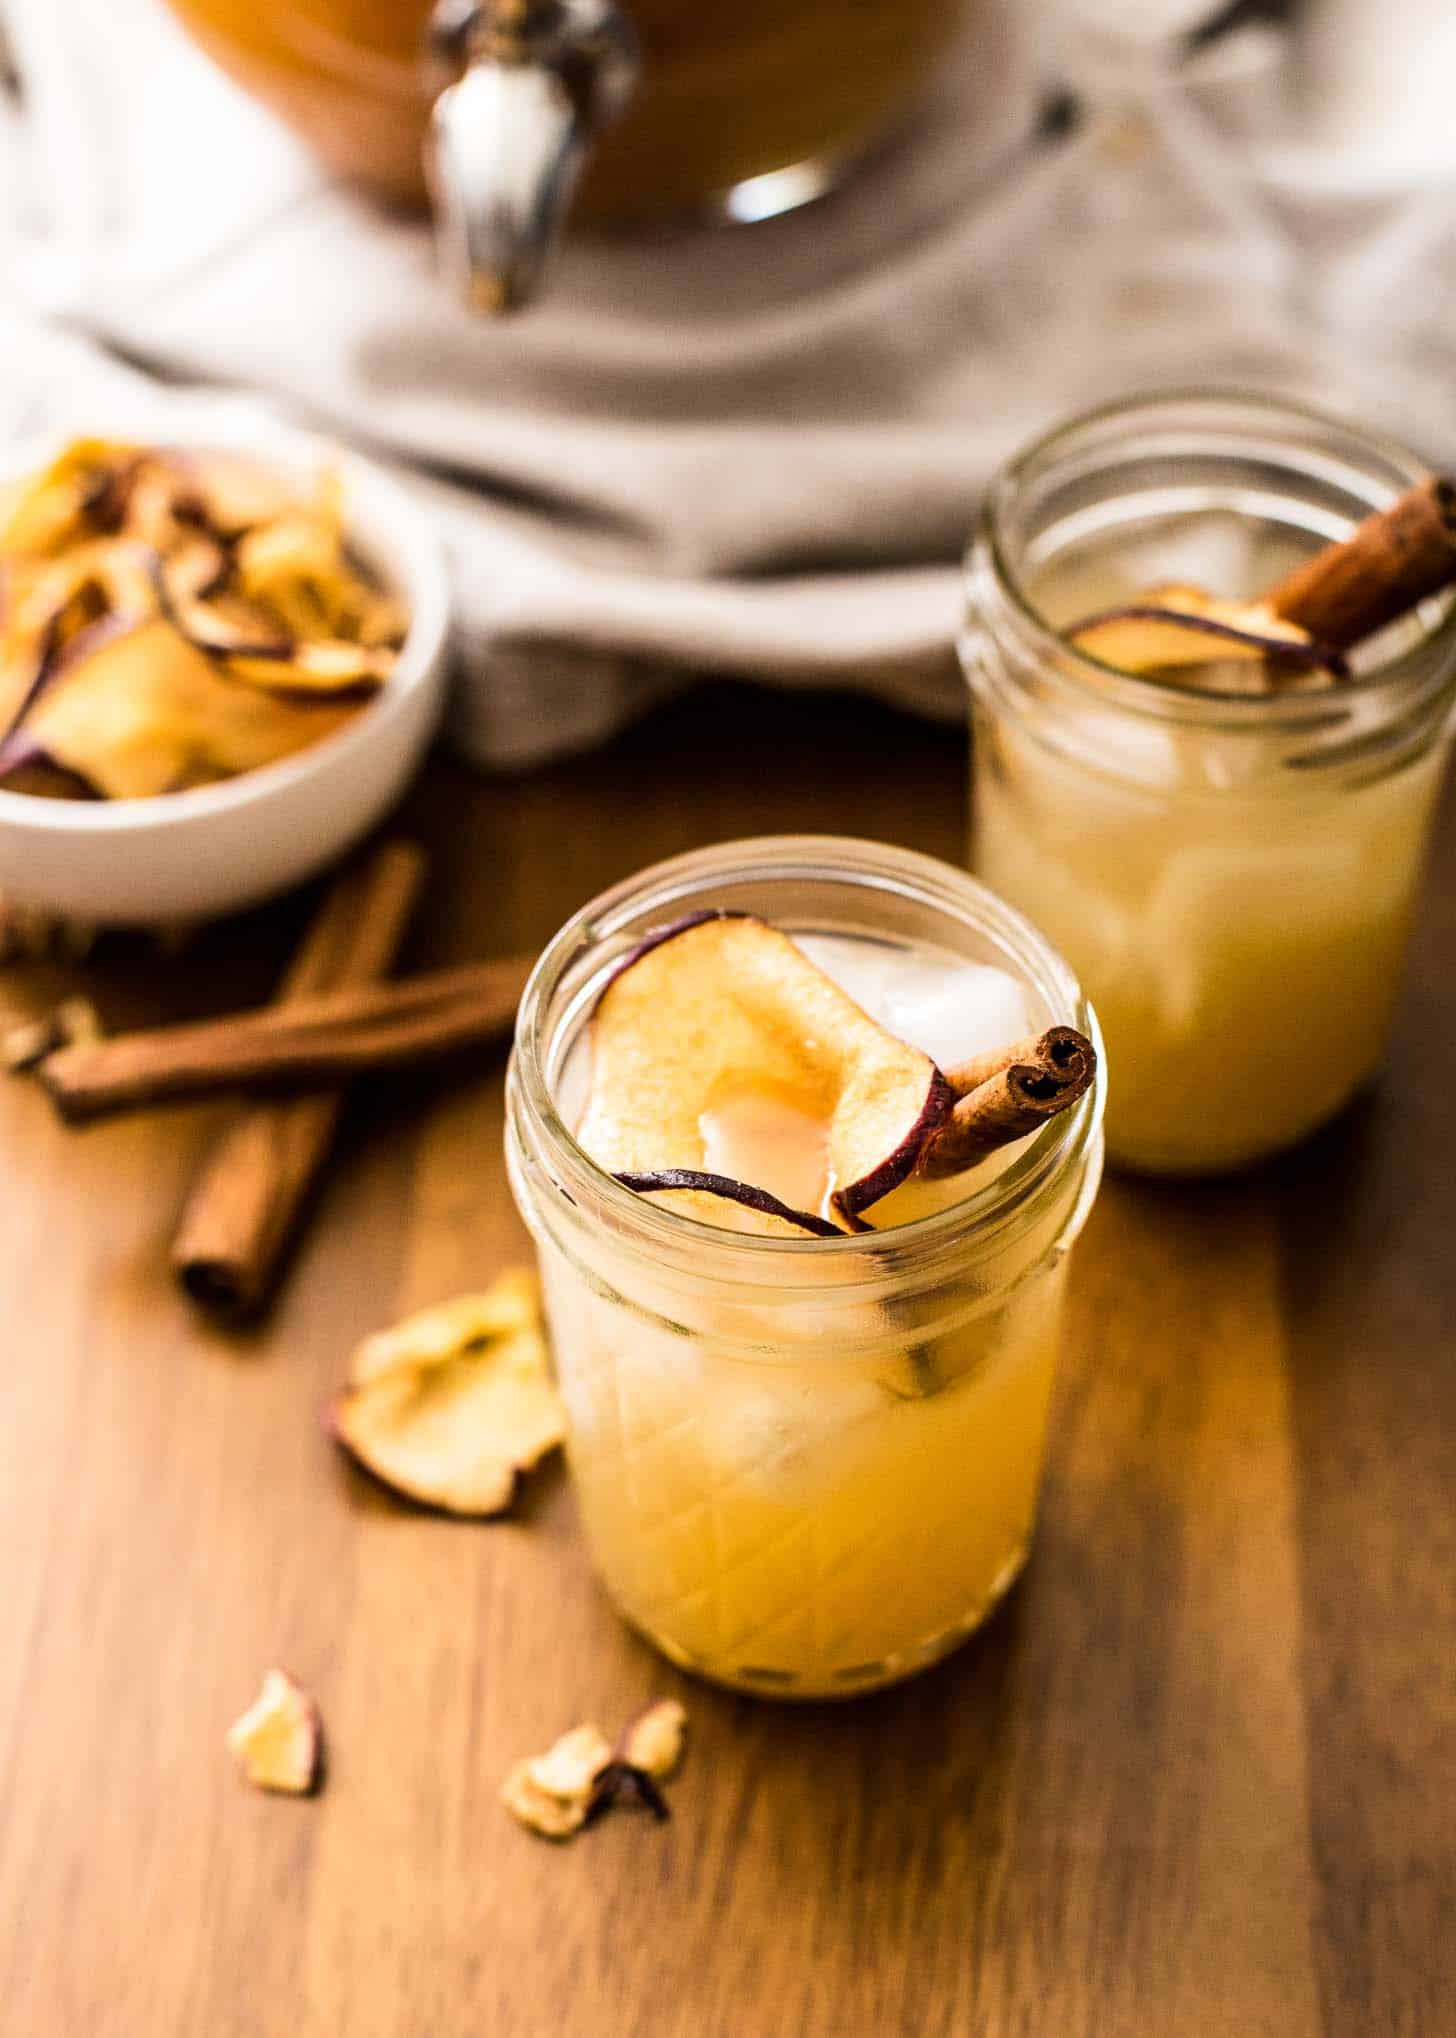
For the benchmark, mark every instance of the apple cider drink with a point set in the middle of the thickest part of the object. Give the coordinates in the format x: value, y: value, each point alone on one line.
x: 1207, y: 744
x: 804, y: 1130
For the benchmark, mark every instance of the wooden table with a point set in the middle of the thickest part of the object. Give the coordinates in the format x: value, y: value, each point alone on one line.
x: 1199, y: 1778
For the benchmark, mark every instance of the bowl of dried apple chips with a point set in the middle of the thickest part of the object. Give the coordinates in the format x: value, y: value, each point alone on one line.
x: 218, y: 667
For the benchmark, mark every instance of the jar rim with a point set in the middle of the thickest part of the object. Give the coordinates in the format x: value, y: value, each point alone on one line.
x: 987, y: 553
x: 666, y: 888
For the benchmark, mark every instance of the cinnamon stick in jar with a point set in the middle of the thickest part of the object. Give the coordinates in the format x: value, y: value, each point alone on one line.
x: 244, y: 1208
x: 1387, y: 566
x: 1345, y: 593
x: 1008, y: 1093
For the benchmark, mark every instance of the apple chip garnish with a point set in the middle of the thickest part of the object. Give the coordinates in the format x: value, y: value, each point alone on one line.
x: 453, y: 1405
x: 730, y: 1205
x: 725, y: 1007
x: 1178, y: 629
x: 279, y: 1741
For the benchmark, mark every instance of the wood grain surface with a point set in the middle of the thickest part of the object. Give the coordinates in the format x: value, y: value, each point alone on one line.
x: 1197, y: 1780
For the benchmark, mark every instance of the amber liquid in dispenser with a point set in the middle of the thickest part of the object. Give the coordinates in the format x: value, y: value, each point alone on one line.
x: 816, y: 1520
x: 731, y: 89
x: 1239, y: 925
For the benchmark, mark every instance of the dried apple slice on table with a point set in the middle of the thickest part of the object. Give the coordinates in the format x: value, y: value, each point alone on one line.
x: 581, y: 1776
x: 724, y: 1014
x: 278, y: 1743
x: 1174, y: 629
x: 551, y: 1793
x: 451, y: 1406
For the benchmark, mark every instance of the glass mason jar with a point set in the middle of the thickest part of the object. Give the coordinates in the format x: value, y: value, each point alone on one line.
x: 806, y: 1467
x: 1233, y: 878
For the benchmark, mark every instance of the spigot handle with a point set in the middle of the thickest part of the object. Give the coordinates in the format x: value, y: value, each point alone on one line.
x: 538, y: 81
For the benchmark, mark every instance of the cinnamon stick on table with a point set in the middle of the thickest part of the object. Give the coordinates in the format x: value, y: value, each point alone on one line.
x: 309, y: 1043
x: 244, y: 1207
x: 1008, y: 1093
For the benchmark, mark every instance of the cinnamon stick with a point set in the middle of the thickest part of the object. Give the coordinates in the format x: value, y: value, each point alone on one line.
x: 243, y: 1209
x: 1008, y: 1093
x: 312, y: 1042
x: 1388, y: 565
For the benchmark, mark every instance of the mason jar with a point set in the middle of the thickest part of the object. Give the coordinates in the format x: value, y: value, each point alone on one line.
x: 806, y: 1467
x: 1232, y: 878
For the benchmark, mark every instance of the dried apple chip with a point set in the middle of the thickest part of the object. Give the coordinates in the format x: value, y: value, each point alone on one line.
x: 451, y: 1406
x: 222, y: 627
x: 196, y: 568
x: 323, y: 667
x: 581, y: 1776
x: 1175, y: 628
x: 552, y: 1793
x: 26, y: 767
x: 511, y: 1303
x: 52, y: 602
x: 654, y: 1740
x: 48, y: 510
x: 292, y: 548
x: 726, y: 1006
x: 279, y: 1741
x: 236, y: 493
x: 154, y: 503
x: 136, y: 710
x: 622, y: 1784
x: 380, y: 620
x: 253, y: 578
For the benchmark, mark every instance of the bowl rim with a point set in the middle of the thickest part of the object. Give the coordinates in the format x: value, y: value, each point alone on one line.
x: 407, y: 548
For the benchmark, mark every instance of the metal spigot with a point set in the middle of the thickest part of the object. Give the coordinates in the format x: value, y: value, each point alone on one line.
x: 537, y: 81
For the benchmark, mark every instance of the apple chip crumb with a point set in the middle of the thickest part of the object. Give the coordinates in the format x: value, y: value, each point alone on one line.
x: 451, y: 1406
x: 279, y: 1741
x: 654, y: 1740
x: 73, y: 1023
x: 552, y: 1793
x: 581, y: 1777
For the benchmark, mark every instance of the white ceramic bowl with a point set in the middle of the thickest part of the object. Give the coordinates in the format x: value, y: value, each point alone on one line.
x: 215, y: 849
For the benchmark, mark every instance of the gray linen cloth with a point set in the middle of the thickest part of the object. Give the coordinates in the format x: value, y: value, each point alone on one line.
x: 753, y: 450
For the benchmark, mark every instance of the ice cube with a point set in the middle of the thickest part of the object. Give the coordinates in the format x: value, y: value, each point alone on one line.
x: 1123, y: 750
x: 862, y: 968
x: 947, y: 1007
x: 952, y: 1010
x: 775, y: 1436
x: 1224, y: 909
x: 1217, y: 552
